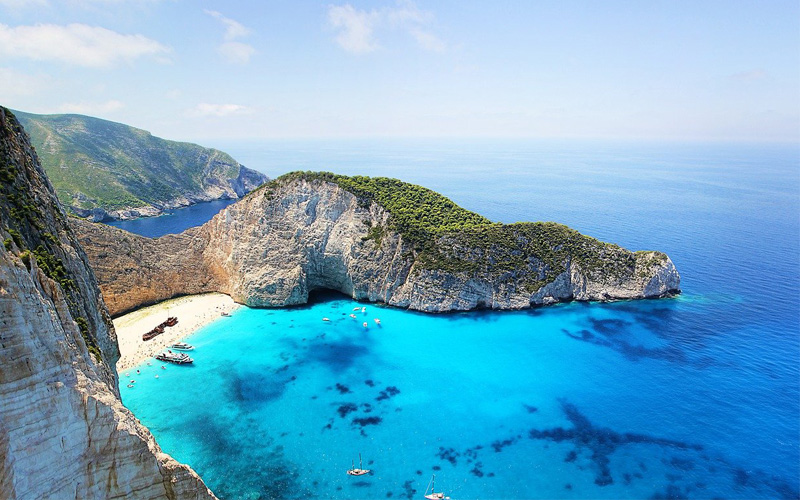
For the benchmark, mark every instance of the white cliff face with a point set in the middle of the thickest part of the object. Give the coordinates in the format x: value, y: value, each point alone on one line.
x: 282, y: 242
x: 64, y: 432
x: 304, y: 235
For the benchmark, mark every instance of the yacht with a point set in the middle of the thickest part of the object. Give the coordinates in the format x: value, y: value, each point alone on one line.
x: 179, y: 358
x: 182, y: 346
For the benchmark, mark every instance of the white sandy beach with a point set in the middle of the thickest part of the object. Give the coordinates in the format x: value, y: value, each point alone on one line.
x: 193, y: 312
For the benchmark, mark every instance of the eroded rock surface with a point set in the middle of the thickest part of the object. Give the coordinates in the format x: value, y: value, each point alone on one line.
x: 64, y: 432
x: 299, y: 234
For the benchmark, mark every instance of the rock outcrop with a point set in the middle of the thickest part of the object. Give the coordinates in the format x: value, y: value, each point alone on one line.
x: 304, y: 232
x: 106, y: 170
x: 64, y: 432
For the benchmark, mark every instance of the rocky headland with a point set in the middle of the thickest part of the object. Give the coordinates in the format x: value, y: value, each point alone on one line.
x: 105, y: 170
x: 64, y: 432
x: 373, y: 239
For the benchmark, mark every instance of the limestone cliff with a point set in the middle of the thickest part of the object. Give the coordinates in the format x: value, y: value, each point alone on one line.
x: 107, y: 170
x: 64, y: 432
x: 309, y: 231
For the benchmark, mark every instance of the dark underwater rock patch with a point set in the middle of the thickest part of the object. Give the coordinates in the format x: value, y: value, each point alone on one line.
x: 601, y: 442
x: 343, y: 389
x: 499, y: 445
x: 448, y: 454
x: 387, y: 393
x: 365, y: 421
x: 346, y: 408
x: 610, y: 327
x: 408, y: 489
x: 670, y: 353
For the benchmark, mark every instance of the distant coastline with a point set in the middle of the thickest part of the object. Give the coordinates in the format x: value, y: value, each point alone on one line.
x: 173, y: 222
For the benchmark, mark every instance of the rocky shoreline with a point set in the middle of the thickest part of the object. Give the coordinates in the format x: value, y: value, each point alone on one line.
x: 297, y: 235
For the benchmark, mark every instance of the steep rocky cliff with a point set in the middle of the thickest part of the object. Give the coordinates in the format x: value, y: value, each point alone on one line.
x: 373, y: 239
x: 103, y: 169
x: 63, y: 431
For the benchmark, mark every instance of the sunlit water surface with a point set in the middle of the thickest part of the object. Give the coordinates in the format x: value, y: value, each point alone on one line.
x: 695, y: 396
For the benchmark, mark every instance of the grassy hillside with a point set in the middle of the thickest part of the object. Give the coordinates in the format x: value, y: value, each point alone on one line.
x: 98, y: 163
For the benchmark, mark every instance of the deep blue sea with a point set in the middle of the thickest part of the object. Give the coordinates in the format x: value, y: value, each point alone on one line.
x: 173, y: 221
x: 692, y: 397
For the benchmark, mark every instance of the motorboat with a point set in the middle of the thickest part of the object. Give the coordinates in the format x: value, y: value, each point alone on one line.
x: 179, y: 358
x: 182, y: 346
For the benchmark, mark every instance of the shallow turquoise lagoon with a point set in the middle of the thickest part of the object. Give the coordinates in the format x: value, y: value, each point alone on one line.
x: 697, y: 396
x: 574, y: 401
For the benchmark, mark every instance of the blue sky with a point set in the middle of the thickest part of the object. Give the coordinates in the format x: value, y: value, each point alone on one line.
x: 201, y: 70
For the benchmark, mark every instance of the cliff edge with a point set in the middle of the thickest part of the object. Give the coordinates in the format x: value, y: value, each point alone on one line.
x: 373, y: 239
x: 64, y: 432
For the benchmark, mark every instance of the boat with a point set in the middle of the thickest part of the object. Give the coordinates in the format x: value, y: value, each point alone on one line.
x: 377, y: 321
x: 433, y: 495
x: 365, y: 325
x: 179, y: 358
x: 223, y: 313
x: 171, y: 321
x: 326, y: 319
x: 182, y: 346
x: 363, y: 309
x: 352, y: 471
x: 356, y: 308
x: 353, y: 316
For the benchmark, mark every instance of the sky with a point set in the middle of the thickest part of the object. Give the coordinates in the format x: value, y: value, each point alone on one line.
x: 201, y: 70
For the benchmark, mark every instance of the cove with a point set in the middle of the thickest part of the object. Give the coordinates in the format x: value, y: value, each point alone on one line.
x: 571, y: 401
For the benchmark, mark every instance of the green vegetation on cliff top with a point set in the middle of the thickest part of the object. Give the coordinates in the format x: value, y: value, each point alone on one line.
x: 449, y: 238
x: 98, y: 163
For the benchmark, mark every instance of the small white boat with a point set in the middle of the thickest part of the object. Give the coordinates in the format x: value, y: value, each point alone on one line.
x: 326, y: 319
x: 353, y: 471
x: 356, y: 308
x: 353, y: 316
x: 181, y: 346
x: 433, y: 495
x: 366, y: 325
x: 377, y: 321
x: 363, y: 309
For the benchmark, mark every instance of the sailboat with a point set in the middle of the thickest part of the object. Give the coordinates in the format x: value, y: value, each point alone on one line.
x: 352, y: 471
x: 433, y: 495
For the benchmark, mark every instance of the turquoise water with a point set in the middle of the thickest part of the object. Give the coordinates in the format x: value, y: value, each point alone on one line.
x: 697, y: 396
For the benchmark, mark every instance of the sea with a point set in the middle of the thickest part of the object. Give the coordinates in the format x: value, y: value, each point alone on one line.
x: 696, y: 396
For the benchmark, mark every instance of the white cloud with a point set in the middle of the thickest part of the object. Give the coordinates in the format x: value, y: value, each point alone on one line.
x: 428, y: 41
x: 205, y: 109
x: 91, y: 108
x: 79, y: 44
x: 233, y: 29
x: 357, y: 27
x: 236, y: 52
x: 231, y: 50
